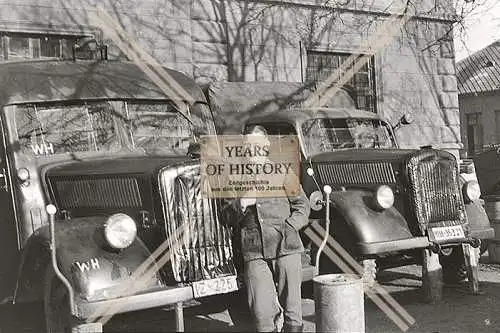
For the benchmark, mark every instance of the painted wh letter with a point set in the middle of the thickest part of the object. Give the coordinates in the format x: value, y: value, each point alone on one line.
x: 95, y: 263
x: 88, y: 265
x: 44, y: 148
x: 83, y: 266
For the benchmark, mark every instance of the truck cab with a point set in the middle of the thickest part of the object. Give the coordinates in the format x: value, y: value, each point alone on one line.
x: 100, y: 196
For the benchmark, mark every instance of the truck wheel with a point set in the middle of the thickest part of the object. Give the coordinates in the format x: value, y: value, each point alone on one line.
x: 454, y: 272
x: 453, y: 265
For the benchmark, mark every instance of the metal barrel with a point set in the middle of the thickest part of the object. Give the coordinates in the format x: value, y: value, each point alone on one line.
x: 339, y: 303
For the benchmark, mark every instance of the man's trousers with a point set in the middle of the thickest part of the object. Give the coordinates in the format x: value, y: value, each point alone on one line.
x: 270, y: 280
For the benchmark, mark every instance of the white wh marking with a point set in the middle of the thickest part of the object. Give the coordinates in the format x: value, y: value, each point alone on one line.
x: 43, y: 149
x: 88, y: 265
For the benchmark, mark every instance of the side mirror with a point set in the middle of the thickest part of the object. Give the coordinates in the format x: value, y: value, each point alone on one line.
x: 194, y: 150
x: 406, y: 119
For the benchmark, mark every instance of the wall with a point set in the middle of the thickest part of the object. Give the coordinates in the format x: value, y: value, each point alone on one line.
x: 260, y: 40
x: 486, y: 104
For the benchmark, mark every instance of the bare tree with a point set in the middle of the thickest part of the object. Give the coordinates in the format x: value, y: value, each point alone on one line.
x: 470, y: 13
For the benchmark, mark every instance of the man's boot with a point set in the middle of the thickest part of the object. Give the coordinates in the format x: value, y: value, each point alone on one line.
x: 292, y: 328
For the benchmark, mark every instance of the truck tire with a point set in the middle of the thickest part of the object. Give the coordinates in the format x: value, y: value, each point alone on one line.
x: 454, y: 272
x: 454, y: 269
x: 453, y: 266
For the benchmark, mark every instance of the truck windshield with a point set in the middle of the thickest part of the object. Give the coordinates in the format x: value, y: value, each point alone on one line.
x: 328, y: 134
x: 105, y: 126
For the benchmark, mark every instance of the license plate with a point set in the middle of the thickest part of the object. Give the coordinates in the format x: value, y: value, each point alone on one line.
x: 446, y: 233
x: 216, y: 286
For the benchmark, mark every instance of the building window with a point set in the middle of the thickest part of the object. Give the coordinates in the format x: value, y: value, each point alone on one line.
x: 19, y: 48
x: 36, y: 46
x: 497, y: 124
x: 51, y: 47
x: 320, y: 65
x: 474, y: 133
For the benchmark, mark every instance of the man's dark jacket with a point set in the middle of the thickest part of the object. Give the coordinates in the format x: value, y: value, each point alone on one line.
x: 275, y: 231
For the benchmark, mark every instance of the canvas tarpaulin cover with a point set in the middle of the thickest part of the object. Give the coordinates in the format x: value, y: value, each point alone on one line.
x: 233, y: 102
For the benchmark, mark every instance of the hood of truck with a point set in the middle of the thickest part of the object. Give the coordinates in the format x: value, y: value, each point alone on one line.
x: 162, y: 195
x: 117, y: 166
x: 107, y: 186
x: 353, y: 155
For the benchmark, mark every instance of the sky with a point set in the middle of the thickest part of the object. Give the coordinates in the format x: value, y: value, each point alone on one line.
x: 482, y: 27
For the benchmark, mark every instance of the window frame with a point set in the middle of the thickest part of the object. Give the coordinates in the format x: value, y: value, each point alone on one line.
x: 319, y: 72
x: 66, y: 41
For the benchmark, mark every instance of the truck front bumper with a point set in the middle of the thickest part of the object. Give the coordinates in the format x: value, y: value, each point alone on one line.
x: 148, y: 300
x: 165, y: 296
x: 414, y: 243
x: 393, y: 245
x: 487, y: 233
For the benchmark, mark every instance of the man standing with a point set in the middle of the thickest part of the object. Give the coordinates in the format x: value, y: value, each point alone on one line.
x: 271, y: 249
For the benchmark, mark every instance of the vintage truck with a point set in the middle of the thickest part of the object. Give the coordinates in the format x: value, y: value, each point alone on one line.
x: 99, y: 192
x: 388, y: 204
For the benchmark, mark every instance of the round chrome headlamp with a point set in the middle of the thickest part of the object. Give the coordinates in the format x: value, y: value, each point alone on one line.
x: 471, y: 191
x: 384, y: 197
x: 120, y: 231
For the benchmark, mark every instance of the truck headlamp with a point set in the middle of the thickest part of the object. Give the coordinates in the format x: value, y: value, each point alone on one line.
x: 471, y: 191
x: 384, y: 197
x: 120, y: 230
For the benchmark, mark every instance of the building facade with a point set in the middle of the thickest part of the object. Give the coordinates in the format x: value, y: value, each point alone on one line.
x: 479, y: 96
x: 405, y: 48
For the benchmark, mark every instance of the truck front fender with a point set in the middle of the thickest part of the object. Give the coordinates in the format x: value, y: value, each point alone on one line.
x: 94, y: 270
x: 476, y: 214
x: 368, y: 224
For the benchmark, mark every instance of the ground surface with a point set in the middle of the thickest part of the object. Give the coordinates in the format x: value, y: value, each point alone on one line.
x: 458, y: 312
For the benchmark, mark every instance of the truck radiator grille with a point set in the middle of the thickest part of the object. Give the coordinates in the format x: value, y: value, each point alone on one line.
x: 356, y: 173
x: 200, y: 246
x: 109, y: 192
x: 434, y: 189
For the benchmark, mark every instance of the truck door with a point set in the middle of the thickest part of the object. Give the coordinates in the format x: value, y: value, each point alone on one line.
x: 9, y: 249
